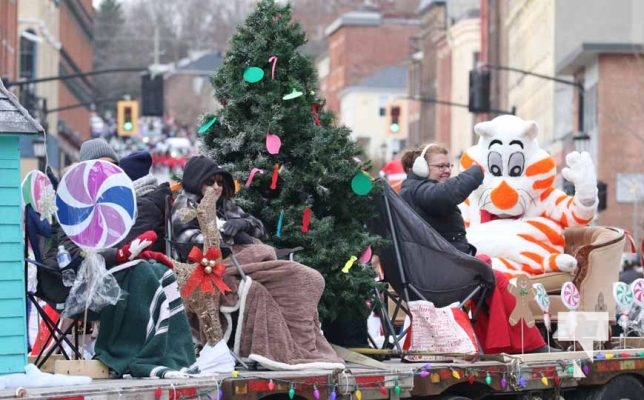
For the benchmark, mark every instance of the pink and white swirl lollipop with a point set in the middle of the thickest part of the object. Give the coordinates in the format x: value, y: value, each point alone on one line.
x: 38, y: 192
x: 570, y: 296
x: 96, y: 204
x: 637, y: 287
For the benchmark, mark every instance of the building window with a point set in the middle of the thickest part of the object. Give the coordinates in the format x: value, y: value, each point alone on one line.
x: 381, y: 111
x: 590, y: 109
x: 28, y: 54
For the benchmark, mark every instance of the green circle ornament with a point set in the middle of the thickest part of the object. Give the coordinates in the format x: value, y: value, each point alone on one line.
x: 253, y: 74
x: 361, y: 184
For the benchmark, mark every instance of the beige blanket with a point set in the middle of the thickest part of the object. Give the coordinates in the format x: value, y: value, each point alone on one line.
x: 278, y: 322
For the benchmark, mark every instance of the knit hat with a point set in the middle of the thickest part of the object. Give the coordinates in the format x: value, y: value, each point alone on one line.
x: 136, y: 165
x: 94, y: 149
x: 198, y: 169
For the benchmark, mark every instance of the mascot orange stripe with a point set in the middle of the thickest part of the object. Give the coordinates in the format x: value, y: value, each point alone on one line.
x: 546, y: 193
x: 539, y: 243
x: 507, y: 263
x: 553, y: 236
x: 534, y: 257
x: 560, y: 199
x: 540, y: 167
x: 580, y: 220
x: 544, y: 183
x: 552, y: 262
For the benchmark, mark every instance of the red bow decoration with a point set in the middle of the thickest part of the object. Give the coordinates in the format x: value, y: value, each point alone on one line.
x: 207, y: 274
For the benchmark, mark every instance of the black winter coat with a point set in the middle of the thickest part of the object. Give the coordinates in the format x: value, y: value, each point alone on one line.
x: 437, y: 203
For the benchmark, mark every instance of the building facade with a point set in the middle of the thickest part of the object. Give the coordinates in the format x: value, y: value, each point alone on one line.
x: 359, y: 44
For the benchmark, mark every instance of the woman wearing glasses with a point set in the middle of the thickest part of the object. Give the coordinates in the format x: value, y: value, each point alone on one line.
x: 435, y: 195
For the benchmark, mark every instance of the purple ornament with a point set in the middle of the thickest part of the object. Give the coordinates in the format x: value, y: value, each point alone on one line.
x: 423, y: 374
x: 523, y: 382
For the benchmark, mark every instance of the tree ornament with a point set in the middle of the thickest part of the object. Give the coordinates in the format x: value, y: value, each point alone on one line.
x: 273, y: 61
x: 358, y: 394
x: 253, y: 74
x: 316, y: 392
x: 276, y: 174
x: 271, y: 385
x: 488, y: 379
x: 361, y: 183
x: 306, y: 219
x: 293, y: 95
x: 291, y: 392
x: 273, y: 143
x: 204, y: 128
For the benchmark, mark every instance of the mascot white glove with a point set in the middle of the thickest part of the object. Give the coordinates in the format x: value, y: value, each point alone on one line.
x: 581, y: 173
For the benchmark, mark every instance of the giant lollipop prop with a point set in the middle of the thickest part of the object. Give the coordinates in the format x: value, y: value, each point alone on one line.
x: 624, y: 299
x: 38, y: 192
x: 543, y: 301
x: 96, y: 209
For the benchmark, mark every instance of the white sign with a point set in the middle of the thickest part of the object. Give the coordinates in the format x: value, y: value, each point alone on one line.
x: 630, y: 188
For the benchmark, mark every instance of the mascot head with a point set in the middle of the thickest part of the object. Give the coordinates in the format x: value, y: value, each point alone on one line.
x: 516, y: 169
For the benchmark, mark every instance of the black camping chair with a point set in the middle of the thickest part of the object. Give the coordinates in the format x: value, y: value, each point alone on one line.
x: 51, y: 290
x: 421, y: 265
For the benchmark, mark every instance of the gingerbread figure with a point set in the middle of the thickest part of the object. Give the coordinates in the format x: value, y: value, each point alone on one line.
x: 524, y: 293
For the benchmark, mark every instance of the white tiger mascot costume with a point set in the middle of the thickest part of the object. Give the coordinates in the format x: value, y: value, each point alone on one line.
x: 517, y: 217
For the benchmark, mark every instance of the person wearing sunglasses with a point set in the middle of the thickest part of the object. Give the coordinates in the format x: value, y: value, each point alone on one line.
x: 236, y: 226
x: 432, y: 191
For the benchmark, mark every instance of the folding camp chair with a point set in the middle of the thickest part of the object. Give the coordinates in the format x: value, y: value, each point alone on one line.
x: 420, y: 264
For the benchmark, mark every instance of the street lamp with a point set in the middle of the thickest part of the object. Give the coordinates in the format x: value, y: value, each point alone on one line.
x: 581, y: 141
x: 40, y: 151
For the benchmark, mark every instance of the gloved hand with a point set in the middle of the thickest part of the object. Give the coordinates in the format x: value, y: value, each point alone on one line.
x: 581, y: 173
x: 52, y: 177
x: 131, y: 250
x: 156, y: 256
x: 234, y: 226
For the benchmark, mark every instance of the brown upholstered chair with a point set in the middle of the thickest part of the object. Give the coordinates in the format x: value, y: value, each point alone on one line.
x: 598, y: 250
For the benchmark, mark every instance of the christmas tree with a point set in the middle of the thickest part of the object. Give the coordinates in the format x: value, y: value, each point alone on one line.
x: 294, y: 166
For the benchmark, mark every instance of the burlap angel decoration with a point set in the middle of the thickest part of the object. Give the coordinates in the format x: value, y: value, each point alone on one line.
x: 200, y: 282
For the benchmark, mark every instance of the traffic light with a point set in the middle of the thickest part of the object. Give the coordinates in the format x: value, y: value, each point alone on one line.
x: 394, y: 125
x: 127, y: 117
x: 479, y: 99
x: 152, y: 95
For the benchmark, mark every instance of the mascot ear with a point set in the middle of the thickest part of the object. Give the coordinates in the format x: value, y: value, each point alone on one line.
x: 530, y: 130
x: 484, y: 129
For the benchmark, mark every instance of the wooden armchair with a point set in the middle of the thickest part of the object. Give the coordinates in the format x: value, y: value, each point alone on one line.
x: 598, y: 250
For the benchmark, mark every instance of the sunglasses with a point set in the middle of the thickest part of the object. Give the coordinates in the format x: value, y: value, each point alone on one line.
x: 214, y: 179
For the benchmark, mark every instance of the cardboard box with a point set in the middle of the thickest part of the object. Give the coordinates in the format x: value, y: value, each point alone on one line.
x: 92, y: 368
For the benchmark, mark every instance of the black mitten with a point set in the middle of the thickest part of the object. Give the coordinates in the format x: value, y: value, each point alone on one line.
x: 234, y: 226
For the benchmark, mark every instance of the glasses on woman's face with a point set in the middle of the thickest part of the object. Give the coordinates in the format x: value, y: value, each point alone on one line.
x: 442, y: 166
x: 214, y: 179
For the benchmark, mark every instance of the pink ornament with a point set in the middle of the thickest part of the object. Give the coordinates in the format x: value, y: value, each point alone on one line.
x: 365, y: 257
x: 96, y: 204
x: 273, y: 143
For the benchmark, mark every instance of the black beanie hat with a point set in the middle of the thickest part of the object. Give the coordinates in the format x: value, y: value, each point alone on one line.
x: 198, y: 169
x: 137, y: 164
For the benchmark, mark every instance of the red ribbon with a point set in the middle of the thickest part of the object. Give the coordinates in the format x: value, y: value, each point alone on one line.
x: 199, y: 278
x: 306, y: 219
x: 316, y: 117
x: 276, y: 173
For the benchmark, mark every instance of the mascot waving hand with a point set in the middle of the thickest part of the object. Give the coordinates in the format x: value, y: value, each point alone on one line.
x: 517, y: 216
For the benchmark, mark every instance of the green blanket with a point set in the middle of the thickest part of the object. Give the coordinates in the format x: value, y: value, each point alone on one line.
x: 146, y: 333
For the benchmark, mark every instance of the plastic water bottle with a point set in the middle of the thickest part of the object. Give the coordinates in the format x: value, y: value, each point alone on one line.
x: 64, y: 258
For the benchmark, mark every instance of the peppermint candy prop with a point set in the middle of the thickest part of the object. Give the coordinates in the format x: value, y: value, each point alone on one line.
x: 624, y: 299
x: 38, y: 192
x: 96, y: 209
x: 637, y: 287
x: 570, y: 296
x: 543, y: 301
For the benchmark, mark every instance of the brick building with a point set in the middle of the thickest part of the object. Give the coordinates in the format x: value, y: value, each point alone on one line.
x: 359, y: 44
x: 8, y: 39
